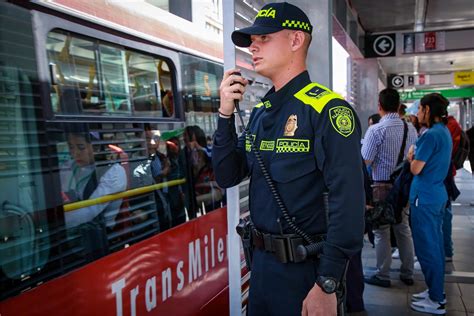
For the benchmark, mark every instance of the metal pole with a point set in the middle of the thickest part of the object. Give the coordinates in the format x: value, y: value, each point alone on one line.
x: 233, y: 205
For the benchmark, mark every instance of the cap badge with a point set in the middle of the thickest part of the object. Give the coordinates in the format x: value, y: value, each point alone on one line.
x: 291, y: 125
x: 267, y: 13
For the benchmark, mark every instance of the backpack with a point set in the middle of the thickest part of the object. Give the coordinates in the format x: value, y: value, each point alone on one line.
x: 461, y: 152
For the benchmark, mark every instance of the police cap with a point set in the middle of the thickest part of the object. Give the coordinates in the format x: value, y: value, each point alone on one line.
x: 272, y: 18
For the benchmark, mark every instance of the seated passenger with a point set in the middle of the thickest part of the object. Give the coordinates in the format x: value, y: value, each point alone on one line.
x: 82, y: 180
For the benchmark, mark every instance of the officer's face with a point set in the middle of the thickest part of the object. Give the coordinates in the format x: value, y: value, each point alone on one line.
x: 271, y: 52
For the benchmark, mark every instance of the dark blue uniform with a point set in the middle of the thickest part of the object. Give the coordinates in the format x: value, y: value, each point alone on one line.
x: 309, y: 138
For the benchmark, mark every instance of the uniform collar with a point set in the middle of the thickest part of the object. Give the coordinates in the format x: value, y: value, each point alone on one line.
x: 274, y: 99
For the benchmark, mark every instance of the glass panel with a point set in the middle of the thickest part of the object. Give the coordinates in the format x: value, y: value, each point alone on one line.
x: 201, y: 91
x: 25, y: 244
x: 73, y: 66
x: 114, y: 79
x: 142, y: 72
x: 89, y: 77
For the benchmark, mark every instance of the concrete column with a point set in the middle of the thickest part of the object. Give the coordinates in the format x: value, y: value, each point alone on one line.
x: 364, y: 88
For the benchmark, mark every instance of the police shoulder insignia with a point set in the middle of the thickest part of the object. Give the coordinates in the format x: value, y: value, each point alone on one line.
x: 316, y: 95
x: 342, y: 119
x: 291, y: 125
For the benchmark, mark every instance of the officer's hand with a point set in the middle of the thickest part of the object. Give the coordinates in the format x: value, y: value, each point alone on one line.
x: 232, y: 88
x: 318, y: 303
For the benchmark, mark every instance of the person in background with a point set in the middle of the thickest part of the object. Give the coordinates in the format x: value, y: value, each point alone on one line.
x: 455, y: 131
x: 374, y: 119
x: 381, y: 149
x: 470, y: 135
x: 430, y: 161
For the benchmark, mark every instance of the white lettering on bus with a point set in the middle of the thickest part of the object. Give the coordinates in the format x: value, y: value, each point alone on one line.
x: 150, y: 294
x: 195, y: 269
x: 195, y: 252
x: 206, y: 255
x: 166, y: 284
x: 220, y: 249
x: 133, y: 301
x: 213, y: 261
x: 180, y: 275
x: 117, y: 288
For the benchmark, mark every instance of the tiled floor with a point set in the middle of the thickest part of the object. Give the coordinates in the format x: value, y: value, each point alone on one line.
x: 459, y: 283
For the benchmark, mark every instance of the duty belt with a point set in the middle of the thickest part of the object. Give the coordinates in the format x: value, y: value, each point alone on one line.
x: 282, y: 246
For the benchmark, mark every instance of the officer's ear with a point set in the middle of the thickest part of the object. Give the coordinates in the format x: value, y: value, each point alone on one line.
x: 297, y: 40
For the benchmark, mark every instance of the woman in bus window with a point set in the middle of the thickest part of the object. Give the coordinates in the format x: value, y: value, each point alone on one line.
x: 81, y: 180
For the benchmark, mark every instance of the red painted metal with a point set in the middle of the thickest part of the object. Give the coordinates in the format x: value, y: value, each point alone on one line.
x: 131, y: 281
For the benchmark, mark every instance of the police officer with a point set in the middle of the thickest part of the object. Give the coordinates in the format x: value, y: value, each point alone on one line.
x: 309, y: 141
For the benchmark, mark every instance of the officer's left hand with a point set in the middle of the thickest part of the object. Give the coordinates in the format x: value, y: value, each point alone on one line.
x: 319, y: 303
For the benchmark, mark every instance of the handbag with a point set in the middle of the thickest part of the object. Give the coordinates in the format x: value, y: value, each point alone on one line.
x: 382, y: 213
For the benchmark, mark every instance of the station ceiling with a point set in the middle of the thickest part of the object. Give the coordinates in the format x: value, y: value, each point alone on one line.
x: 388, y: 16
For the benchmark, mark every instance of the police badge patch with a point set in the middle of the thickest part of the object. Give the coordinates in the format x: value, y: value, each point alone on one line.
x: 342, y: 119
x: 291, y: 125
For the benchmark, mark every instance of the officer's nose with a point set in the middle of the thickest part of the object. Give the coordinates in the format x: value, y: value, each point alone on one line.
x: 253, y: 47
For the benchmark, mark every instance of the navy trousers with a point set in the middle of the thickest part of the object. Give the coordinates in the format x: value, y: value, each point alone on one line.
x: 279, y: 288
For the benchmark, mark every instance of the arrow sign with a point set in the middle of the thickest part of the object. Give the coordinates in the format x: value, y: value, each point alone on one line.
x: 396, y: 81
x: 383, y: 45
x: 380, y: 45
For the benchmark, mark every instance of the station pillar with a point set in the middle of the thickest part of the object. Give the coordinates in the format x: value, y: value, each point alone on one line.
x: 363, y: 88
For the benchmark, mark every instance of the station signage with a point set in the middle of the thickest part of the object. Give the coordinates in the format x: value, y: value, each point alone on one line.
x: 447, y: 93
x: 382, y: 45
x: 396, y: 81
x: 423, y: 42
x: 462, y: 78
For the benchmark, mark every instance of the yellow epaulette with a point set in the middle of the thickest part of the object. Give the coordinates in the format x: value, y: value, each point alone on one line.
x: 317, y: 96
x: 259, y: 105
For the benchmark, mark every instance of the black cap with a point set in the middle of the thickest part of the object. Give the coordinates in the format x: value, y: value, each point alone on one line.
x: 272, y: 18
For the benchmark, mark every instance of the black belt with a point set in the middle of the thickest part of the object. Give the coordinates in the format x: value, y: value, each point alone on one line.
x: 282, y: 246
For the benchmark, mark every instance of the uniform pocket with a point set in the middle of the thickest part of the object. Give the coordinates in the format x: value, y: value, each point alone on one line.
x: 287, y: 169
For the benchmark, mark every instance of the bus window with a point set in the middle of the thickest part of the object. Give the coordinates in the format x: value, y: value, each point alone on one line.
x: 94, y: 78
x: 201, y: 97
x: 114, y: 79
x: 143, y: 78
x: 73, y: 66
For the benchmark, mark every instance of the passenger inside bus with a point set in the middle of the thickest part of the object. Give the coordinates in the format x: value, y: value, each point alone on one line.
x: 81, y: 180
x: 208, y: 194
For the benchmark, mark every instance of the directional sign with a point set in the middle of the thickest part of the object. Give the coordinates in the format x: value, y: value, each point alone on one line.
x: 396, y: 81
x: 382, y: 45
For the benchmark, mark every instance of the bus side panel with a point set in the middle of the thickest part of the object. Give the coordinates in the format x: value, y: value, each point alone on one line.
x: 182, y: 271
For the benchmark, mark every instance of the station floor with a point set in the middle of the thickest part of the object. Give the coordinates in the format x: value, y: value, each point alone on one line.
x: 459, y: 281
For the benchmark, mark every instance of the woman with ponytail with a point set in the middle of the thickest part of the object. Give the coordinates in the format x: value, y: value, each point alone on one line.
x: 429, y: 162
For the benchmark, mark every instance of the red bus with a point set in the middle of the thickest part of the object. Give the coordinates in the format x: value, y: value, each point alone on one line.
x: 108, y: 204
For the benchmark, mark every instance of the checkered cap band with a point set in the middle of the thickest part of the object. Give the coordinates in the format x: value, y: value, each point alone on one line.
x: 297, y: 25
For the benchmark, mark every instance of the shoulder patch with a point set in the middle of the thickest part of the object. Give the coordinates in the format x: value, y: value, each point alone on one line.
x: 342, y: 120
x: 259, y: 105
x: 316, y: 95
